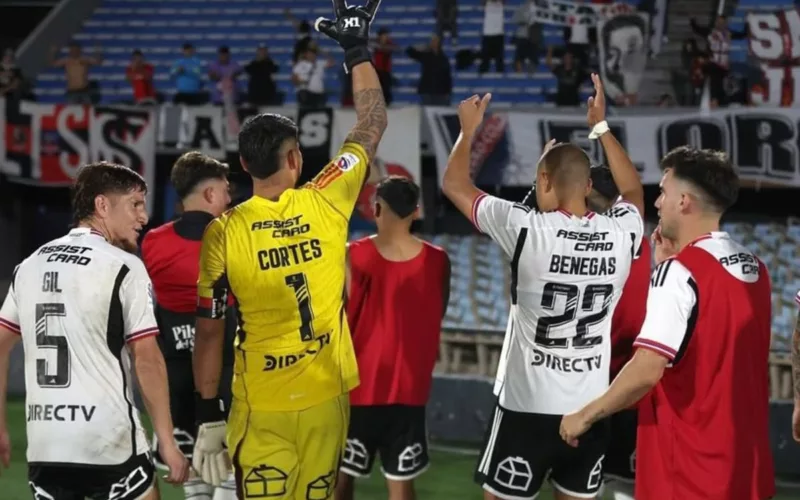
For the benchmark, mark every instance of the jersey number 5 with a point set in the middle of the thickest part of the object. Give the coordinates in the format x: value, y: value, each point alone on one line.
x: 46, y: 340
x: 299, y: 285
x: 572, y: 295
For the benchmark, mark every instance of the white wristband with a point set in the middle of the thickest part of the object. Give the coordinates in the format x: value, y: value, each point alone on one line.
x: 599, y: 129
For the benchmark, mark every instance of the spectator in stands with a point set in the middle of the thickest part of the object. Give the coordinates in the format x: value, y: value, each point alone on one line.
x: 689, y: 80
x: 12, y: 83
x: 528, y: 39
x: 382, y: 59
x: 308, y: 76
x: 261, y: 89
x: 188, y: 74
x: 493, y: 39
x: 447, y: 19
x: 76, y: 70
x: 223, y: 73
x: 435, y: 81
x: 140, y: 75
x: 719, y: 38
x: 569, y: 76
x: 579, y: 39
x: 304, y: 38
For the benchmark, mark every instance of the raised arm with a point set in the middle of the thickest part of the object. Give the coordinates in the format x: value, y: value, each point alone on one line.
x: 457, y: 183
x: 622, y: 169
x: 351, y: 31
x: 371, y: 117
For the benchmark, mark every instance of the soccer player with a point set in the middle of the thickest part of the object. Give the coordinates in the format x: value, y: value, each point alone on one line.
x: 171, y: 254
x: 568, y: 267
x: 398, y: 288
x: 619, y: 469
x: 701, y: 360
x: 282, y: 255
x: 82, y: 306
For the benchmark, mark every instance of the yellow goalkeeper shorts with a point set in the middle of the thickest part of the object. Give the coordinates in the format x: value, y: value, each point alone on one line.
x: 292, y: 454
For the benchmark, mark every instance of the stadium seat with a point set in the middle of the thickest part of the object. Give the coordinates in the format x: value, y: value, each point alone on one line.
x: 160, y: 27
x: 480, y: 279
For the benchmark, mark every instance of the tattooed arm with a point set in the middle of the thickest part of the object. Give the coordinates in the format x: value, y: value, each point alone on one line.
x: 371, y: 119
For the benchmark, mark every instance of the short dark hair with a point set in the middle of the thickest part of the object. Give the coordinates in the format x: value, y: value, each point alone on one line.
x: 137, y: 52
x: 224, y: 49
x: 401, y: 194
x: 192, y: 168
x: 567, y: 163
x: 101, y: 178
x: 709, y: 171
x: 187, y: 46
x: 260, y: 141
x: 603, y: 182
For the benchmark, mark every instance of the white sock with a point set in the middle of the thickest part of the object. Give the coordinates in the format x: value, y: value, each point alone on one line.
x: 620, y: 490
x: 227, y: 491
x: 196, y: 489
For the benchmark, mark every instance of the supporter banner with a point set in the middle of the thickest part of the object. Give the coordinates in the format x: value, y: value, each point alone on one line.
x: 623, y: 42
x: 773, y: 40
x: 46, y: 144
x: 398, y: 153
x: 570, y: 13
x: 763, y: 144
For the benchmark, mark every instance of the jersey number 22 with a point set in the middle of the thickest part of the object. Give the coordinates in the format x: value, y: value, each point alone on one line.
x: 572, y: 294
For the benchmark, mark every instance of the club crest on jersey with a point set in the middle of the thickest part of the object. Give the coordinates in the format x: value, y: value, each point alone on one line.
x: 346, y: 161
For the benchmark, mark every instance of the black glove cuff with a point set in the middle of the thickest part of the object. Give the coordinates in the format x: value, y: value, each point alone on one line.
x: 356, y: 55
x: 208, y: 410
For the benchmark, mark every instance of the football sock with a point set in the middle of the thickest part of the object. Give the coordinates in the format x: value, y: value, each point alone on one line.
x: 227, y: 491
x: 196, y: 489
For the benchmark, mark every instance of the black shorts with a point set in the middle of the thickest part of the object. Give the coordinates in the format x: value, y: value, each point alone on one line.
x: 397, y: 432
x: 620, y: 460
x: 522, y: 449
x: 181, y: 402
x: 126, y: 481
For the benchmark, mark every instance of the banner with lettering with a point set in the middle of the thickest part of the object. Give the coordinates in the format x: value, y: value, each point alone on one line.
x: 46, y: 144
x: 571, y: 13
x: 773, y: 41
x: 762, y: 144
x: 398, y: 152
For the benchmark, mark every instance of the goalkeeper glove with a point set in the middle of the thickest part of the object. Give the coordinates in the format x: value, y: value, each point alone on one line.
x: 350, y: 30
x: 210, y: 456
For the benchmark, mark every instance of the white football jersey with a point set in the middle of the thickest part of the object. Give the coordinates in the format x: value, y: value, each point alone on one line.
x: 567, y: 275
x: 77, y: 301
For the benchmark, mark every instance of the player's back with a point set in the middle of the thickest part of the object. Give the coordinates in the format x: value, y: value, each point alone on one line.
x: 77, y: 372
x: 284, y: 262
x: 395, y: 311
x: 567, y: 275
x: 710, y: 411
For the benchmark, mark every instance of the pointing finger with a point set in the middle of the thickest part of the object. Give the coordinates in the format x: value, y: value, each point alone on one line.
x: 487, y: 98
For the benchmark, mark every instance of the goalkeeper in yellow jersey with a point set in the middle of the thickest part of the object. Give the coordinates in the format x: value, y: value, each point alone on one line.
x: 282, y: 255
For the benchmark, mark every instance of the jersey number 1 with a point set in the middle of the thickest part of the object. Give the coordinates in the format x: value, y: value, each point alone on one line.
x: 299, y: 285
x: 572, y: 295
x: 46, y: 340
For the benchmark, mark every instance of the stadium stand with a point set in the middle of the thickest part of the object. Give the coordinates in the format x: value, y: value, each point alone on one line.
x: 479, y: 300
x: 160, y: 27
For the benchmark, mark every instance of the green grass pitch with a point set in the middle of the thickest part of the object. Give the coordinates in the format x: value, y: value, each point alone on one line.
x: 450, y: 475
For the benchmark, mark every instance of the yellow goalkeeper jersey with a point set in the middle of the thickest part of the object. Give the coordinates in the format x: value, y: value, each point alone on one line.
x: 284, y: 261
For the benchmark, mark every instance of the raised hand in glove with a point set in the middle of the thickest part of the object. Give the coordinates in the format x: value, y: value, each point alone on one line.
x: 210, y: 456
x: 350, y: 30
